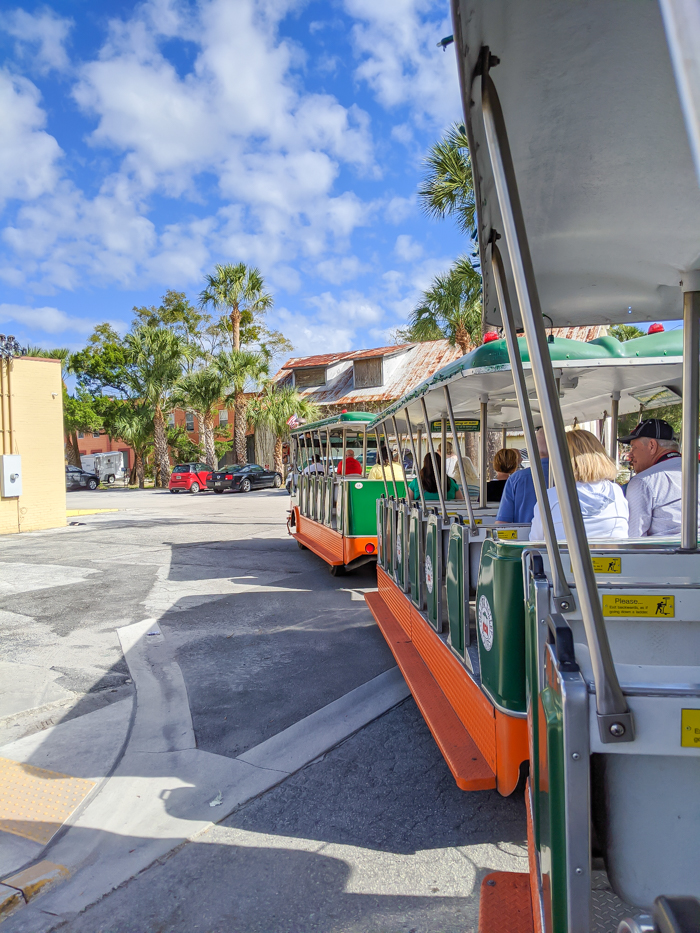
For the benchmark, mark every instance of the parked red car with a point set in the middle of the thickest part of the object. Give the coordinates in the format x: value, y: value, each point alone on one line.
x: 189, y: 477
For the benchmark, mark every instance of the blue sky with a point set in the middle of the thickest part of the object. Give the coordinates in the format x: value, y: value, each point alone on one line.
x: 145, y: 142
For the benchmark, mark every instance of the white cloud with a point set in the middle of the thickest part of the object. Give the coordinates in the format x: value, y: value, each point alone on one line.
x: 406, y: 248
x: 28, y: 154
x: 399, y: 209
x: 396, y: 43
x: 46, y: 320
x: 40, y: 36
x: 340, y: 269
x: 352, y: 308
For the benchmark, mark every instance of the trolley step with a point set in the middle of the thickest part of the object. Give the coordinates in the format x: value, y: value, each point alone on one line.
x: 505, y: 903
x: 468, y: 766
x: 319, y: 549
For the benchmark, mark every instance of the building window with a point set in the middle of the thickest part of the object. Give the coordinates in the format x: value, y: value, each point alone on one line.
x: 310, y: 376
x: 189, y: 421
x: 171, y: 419
x: 81, y: 435
x: 368, y: 373
x: 95, y: 433
x: 223, y: 418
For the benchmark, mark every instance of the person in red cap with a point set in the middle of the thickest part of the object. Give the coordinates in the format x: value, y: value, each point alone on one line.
x: 654, y: 492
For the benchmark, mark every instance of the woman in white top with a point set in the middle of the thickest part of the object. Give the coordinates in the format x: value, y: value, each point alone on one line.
x: 603, y: 504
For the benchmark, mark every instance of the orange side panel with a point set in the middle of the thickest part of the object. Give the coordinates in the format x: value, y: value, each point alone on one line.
x: 467, y: 764
x: 504, y: 903
x: 511, y: 750
x: 399, y: 604
x: 464, y: 696
x: 320, y: 539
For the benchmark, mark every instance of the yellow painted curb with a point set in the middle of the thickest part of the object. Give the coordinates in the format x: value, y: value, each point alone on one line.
x: 71, y: 512
x: 9, y: 899
x: 33, y: 879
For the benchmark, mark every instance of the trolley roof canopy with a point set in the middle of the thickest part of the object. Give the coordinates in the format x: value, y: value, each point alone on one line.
x: 646, y: 371
x: 600, y: 150
x: 355, y: 421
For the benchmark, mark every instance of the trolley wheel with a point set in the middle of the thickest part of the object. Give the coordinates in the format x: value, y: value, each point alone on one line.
x: 302, y: 547
x: 337, y: 570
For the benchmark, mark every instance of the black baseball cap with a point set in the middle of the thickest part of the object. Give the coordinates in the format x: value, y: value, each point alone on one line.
x: 653, y: 427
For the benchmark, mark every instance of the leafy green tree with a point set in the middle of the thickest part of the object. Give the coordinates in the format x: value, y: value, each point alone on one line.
x: 450, y: 308
x: 448, y: 187
x: 623, y: 332
x: 240, y: 368
x: 133, y: 423
x: 80, y: 414
x: 103, y: 364
x: 239, y: 292
x: 200, y: 391
x: 273, y: 407
x: 156, y: 356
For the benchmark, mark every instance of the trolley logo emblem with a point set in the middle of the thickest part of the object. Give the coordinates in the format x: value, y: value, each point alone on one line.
x: 690, y: 728
x: 358, y: 485
x: 429, y: 573
x: 485, y: 623
x: 639, y: 606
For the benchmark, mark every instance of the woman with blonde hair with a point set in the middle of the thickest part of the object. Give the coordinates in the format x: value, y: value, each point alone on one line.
x: 506, y: 461
x: 603, y: 504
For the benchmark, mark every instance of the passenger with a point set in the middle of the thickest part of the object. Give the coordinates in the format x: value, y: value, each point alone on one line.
x: 407, y: 461
x: 352, y: 465
x: 518, y: 499
x: 383, y: 468
x: 603, y: 504
x: 451, y: 461
x: 506, y: 461
x: 452, y: 469
x: 430, y: 489
x: 654, y: 492
x: 315, y: 466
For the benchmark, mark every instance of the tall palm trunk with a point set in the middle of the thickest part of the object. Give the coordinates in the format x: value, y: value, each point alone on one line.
x: 279, y: 466
x: 209, y: 449
x: 239, y: 427
x: 139, y: 467
x: 161, y: 471
x: 236, y: 326
x: 463, y: 340
x: 72, y: 449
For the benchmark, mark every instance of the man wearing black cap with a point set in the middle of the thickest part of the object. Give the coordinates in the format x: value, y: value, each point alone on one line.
x: 654, y: 492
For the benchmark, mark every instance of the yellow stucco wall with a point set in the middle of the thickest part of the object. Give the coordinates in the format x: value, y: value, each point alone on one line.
x: 32, y: 426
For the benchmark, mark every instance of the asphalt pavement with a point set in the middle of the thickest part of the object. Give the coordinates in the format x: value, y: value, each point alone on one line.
x: 253, y: 763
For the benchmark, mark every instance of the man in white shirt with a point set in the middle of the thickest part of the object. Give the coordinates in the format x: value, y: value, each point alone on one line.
x: 654, y: 492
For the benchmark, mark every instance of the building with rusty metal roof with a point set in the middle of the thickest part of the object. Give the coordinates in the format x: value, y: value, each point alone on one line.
x: 369, y: 380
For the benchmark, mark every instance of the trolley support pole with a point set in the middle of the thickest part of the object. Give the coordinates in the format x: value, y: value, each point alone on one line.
x: 462, y: 475
x: 398, y: 447
x: 391, y: 462
x: 615, y: 723
x: 483, y: 449
x: 443, y: 458
x: 379, y: 461
x: 431, y: 448
x: 691, y: 403
x: 415, y: 461
x: 563, y: 598
x: 614, y: 427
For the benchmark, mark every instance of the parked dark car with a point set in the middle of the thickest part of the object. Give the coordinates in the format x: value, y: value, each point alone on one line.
x: 189, y: 477
x: 243, y: 478
x: 81, y: 479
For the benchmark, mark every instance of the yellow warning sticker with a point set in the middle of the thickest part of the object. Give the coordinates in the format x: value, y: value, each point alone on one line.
x: 639, y: 606
x: 508, y: 534
x: 607, y: 564
x: 690, y: 728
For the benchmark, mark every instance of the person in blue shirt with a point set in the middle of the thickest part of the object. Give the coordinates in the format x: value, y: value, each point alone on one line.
x: 518, y: 499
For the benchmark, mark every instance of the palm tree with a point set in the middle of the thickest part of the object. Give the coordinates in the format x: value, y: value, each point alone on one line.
x: 200, y: 392
x: 450, y: 308
x: 133, y: 423
x: 273, y: 407
x: 238, y: 369
x: 238, y: 291
x: 448, y: 188
x: 625, y: 332
x: 156, y: 356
